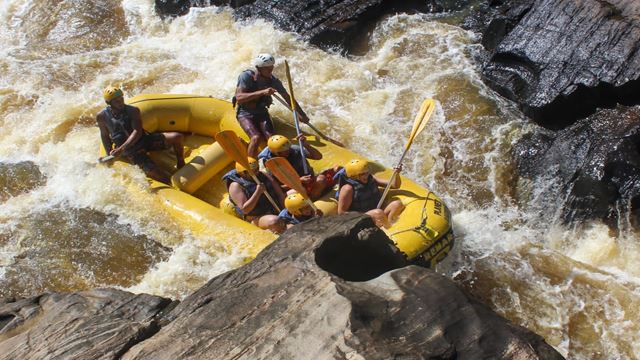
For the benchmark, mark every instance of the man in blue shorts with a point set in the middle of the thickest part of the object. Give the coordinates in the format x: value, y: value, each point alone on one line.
x: 253, y: 97
x: 122, y: 135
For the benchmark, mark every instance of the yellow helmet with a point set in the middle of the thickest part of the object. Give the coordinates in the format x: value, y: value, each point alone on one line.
x: 227, y: 206
x: 294, y: 203
x: 111, y: 93
x: 278, y: 143
x: 253, y: 165
x: 356, y: 167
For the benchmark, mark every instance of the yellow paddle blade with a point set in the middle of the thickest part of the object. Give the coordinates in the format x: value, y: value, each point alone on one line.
x: 422, y: 118
x: 283, y: 171
x: 233, y: 146
x: 289, y: 82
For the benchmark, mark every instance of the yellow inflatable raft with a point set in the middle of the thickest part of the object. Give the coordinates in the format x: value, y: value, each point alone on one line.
x: 423, y: 231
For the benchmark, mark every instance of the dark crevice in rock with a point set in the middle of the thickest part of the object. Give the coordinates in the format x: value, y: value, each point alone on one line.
x: 360, y: 256
x: 142, y: 335
x: 5, y: 319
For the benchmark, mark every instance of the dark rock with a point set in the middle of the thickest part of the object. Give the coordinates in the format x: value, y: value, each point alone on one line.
x: 330, y: 24
x: 101, y: 323
x: 596, y: 162
x: 562, y: 59
x: 289, y: 303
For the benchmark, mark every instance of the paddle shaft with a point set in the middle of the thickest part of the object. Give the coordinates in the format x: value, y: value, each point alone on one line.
x: 317, y: 131
x: 305, y: 166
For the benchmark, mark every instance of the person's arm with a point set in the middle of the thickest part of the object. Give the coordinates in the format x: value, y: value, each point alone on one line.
x: 243, y: 97
x: 236, y: 193
x: 311, y: 152
x: 397, y: 182
x: 136, y: 134
x: 104, y: 134
x: 345, y: 198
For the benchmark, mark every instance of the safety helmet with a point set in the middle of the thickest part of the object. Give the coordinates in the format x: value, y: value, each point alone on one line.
x: 294, y: 203
x: 356, y: 167
x: 264, y: 60
x: 278, y: 144
x: 253, y: 165
x: 111, y: 93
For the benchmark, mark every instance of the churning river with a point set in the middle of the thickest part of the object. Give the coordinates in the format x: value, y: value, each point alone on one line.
x: 68, y: 223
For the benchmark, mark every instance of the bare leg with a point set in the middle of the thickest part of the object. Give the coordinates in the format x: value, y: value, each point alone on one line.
x: 272, y: 223
x: 379, y: 217
x: 393, y: 210
x: 319, y: 186
x: 175, y: 139
x: 252, y: 150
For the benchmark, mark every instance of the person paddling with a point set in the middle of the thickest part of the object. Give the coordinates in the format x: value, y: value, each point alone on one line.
x: 359, y: 191
x: 279, y: 145
x: 122, y: 135
x: 253, y: 97
x: 249, y: 198
x: 297, y: 210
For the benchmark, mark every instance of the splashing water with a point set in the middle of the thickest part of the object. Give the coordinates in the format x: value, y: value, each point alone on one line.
x: 576, y: 287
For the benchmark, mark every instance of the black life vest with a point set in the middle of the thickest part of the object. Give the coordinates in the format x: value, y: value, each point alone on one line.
x: 365, y: 196
x: 119, y: 127
x: 249, y: 187
x: 264, y: 101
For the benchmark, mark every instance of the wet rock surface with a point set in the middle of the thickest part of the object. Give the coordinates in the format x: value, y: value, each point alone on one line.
x: 596, y: 163
x: 97, y: 324
x: 560, y: 60
x: 292, y: 302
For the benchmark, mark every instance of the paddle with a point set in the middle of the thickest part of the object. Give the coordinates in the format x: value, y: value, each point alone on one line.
x: 231, y: 144
x: 106, y: 159
x: 305, y: 166
x: 283, y: 171
x: 336, y: 142
x: 421, y: 120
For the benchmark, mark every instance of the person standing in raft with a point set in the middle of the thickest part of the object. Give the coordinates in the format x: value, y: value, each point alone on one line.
x: 122, y: 135
x: 359, y: 191
x: 253, y: 97
x: 297, y: 210
x: 248, y: 197
x: 279, y: 145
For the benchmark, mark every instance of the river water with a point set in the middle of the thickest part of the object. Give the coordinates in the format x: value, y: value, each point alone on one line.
x: 67, y: 223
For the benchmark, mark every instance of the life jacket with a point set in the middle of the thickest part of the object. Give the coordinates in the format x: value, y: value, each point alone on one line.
x: 365, y: 196
x: 289, y: 218
x: 119, y: 127
x: 249, y: 187
x: 264, y: 101
x: 294, y: 158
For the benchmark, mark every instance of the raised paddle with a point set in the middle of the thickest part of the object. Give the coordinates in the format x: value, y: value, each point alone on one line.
x: 231, y: 144
x: 283, y: 171
x: 283, y: 102
x: 426, y: 110
x: 305, y: 166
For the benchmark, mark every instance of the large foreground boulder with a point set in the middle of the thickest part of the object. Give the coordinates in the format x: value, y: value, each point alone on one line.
x: 562, y: 59
x: 322, y: 291
x: 330, y: 288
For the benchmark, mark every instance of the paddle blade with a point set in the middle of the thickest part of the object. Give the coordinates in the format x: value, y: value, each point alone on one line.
x: 290, y: 83
x: 233, y: 146
x: 283, y: 171
x: 422, y: 118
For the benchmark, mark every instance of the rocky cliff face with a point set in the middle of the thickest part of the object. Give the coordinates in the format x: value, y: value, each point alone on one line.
x: 563, y: 61
x: 326, y: 289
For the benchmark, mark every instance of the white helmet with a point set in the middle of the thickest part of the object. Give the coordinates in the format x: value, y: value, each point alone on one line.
x: 264, y: 60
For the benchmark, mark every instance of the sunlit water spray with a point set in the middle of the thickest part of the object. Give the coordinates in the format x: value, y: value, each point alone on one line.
x: 578, y: 288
